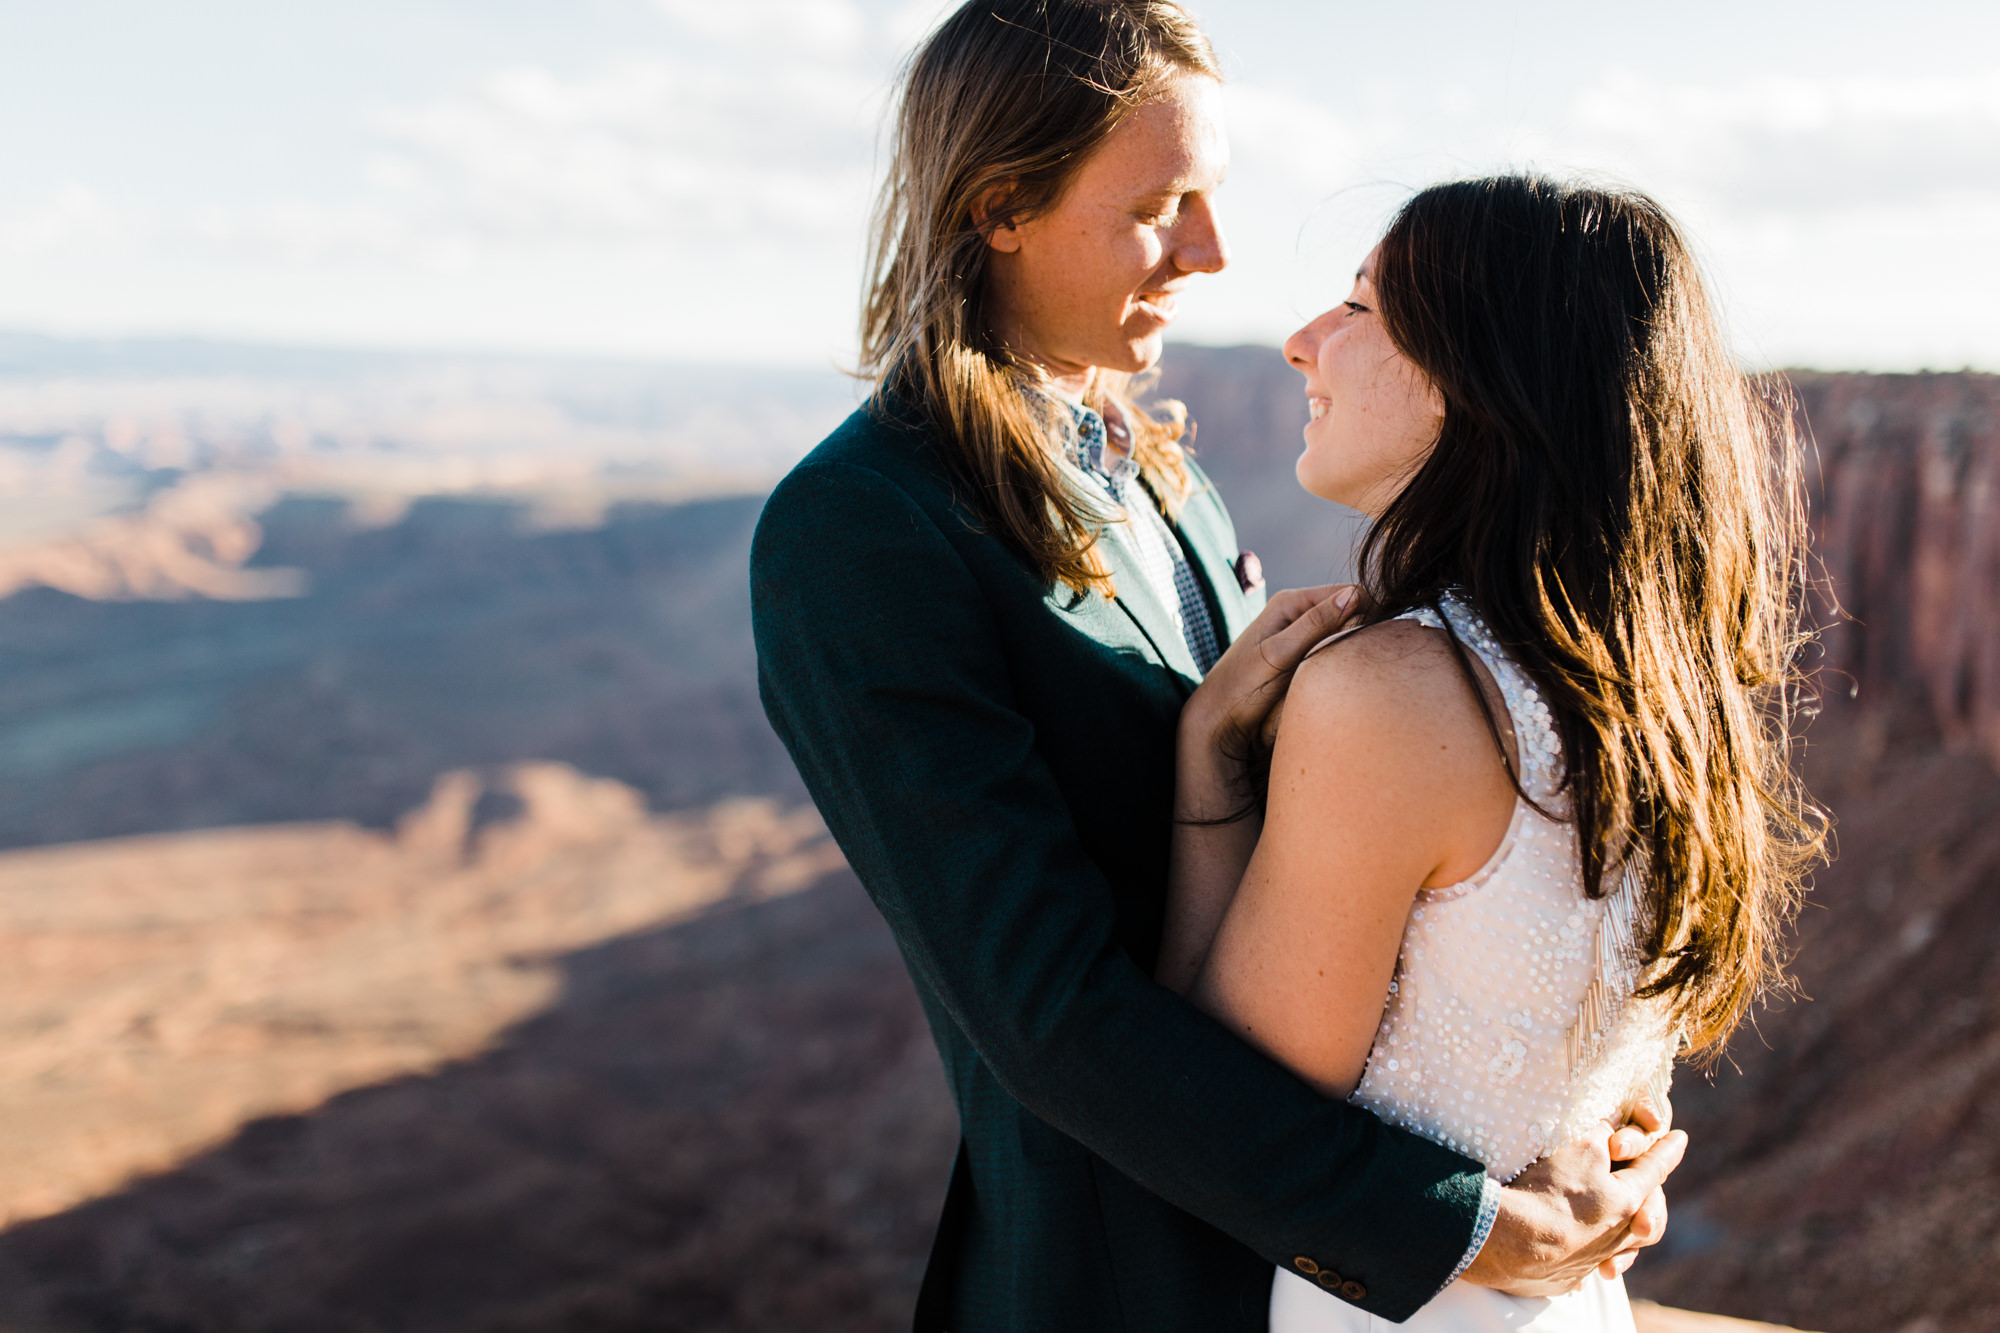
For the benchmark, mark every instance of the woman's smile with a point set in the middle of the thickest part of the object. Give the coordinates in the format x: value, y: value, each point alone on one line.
x: 1373, y: 415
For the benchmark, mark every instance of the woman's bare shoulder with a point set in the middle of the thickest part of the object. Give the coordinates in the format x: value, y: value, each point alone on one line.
x: 1405, y: 685
x: 1393, y: 667
x: 1389, y: 723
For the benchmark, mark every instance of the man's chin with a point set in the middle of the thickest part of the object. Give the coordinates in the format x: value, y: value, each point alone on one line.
x: 1141, y: 354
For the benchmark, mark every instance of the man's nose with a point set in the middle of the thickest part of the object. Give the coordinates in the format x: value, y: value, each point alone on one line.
x: 1199, y: 246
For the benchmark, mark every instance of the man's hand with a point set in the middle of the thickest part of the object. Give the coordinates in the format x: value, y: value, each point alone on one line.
x: 1571, y: 1213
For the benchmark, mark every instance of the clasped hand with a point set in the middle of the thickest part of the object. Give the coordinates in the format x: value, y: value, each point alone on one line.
x: 1230, y: 721
x: 1590, y: 1205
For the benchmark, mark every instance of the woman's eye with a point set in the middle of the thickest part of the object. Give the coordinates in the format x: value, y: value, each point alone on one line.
x: 1356, y: 307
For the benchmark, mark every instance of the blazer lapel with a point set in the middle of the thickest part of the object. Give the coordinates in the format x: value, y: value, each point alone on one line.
x: 1138, y: 600
x: 1210, y: 540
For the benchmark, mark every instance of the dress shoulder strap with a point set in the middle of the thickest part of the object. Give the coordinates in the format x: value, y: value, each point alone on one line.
x: 1623, y: 919
x: 1535, y: 739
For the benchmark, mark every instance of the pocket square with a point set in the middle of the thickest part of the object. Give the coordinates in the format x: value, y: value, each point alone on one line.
x: 1249, y: 571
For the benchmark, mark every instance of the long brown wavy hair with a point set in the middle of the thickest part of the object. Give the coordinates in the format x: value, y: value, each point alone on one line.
x: 1622, y: 505
x: 1013, y: 95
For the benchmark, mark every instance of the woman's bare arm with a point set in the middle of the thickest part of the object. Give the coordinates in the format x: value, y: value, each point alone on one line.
x: 1385, y: 780
x: 1287, y: 925
x: 1216, y: 815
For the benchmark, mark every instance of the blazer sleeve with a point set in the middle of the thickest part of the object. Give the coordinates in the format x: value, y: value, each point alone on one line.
x: 881, y: 668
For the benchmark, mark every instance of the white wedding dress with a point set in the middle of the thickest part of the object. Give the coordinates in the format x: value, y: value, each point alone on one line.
x: 1510, y: 1026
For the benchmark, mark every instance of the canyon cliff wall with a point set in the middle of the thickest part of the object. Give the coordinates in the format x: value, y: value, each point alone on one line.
x: 707, y: 1099
x: 1907, y: 529
x: 1845, y: 1173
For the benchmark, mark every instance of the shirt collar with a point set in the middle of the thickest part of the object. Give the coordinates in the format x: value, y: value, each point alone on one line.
x: 1089, y: 446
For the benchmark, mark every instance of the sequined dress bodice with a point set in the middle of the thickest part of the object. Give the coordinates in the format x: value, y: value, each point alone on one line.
x: 1480, y: 1047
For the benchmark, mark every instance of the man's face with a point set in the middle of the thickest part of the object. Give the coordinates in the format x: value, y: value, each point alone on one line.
x: 1092, y: 281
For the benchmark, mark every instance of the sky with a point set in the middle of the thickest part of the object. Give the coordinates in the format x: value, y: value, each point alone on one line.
x: 689, y: 179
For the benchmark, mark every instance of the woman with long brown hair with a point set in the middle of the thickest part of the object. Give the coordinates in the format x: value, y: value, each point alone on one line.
x: 1531, y: 822
x: 980, y: 606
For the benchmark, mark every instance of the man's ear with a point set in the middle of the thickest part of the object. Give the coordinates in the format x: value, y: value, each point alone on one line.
x: 989, y: 214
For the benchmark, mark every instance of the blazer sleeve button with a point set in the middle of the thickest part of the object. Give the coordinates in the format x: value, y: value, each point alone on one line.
x: 1327, y: 1278
x: 1305, y: 1265
x: 1353, y: 1291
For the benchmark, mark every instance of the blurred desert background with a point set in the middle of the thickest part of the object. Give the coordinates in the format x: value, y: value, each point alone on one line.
x: 409, y: 921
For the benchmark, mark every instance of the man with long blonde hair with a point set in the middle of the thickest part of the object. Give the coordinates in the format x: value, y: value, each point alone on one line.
x: 980, y: 605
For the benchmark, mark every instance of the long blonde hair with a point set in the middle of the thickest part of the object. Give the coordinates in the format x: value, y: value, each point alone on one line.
x: 1623, y: 507
x: 1012, y: 95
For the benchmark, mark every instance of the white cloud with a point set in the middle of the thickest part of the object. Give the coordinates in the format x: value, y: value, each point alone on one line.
x: 659, y: 157
x: 1847, y: 220
x: 1797, y: 146
x: 1779, y: 145
x: 812, y: 24
x: 910, y: 24
x: 653, y: 151
x: 669, y: 203
x: 1310, y: 145
x: 705, y: 193
x: 71, y: 217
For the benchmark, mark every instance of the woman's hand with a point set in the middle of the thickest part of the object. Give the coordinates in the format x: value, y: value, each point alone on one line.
x: 1225, y: 726
x: 1645, y: 1125
x: 1230, y: 720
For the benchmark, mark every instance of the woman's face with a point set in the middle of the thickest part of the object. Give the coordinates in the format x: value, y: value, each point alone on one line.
x: 1375, y: 417
x: 1092, y: 281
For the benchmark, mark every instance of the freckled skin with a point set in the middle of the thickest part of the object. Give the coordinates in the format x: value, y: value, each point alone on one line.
x: 1091, y: 282
x: 1376, y: 415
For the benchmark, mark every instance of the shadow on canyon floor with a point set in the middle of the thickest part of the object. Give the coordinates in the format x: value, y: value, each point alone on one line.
x: 466, y: 633
x: 735, y: 1122
x: 457, y: 637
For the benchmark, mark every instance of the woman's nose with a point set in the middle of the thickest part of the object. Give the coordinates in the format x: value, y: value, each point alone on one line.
x: 1302, y: 348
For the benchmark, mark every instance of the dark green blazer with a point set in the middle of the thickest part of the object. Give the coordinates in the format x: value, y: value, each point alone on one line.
x: 996, y: 760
